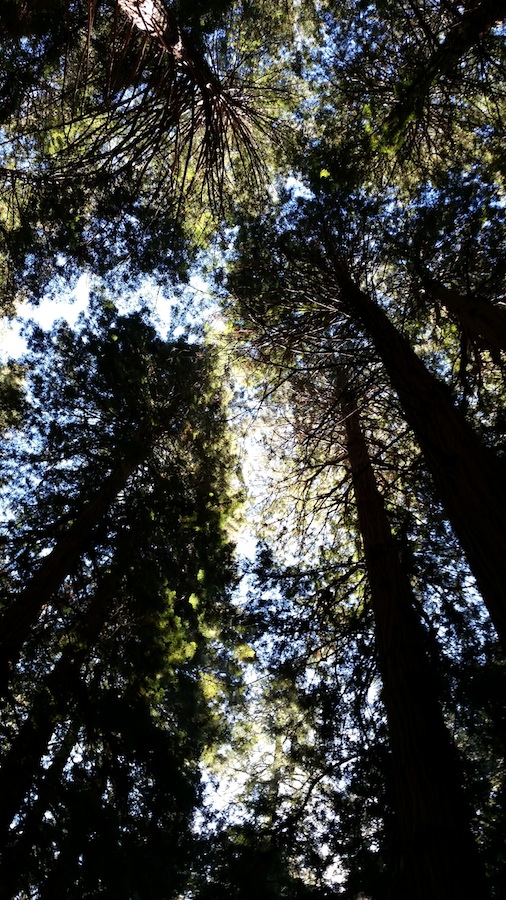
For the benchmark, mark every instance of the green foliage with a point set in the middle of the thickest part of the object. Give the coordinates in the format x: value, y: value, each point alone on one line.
x: 104, y: 789
x: 123, y: 151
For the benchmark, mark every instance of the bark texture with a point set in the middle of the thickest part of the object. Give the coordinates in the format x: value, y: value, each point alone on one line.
x: 439, y: 858
x: 470, y: 480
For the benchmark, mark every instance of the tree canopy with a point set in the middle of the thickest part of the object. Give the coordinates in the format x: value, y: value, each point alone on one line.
x: 291, y: 219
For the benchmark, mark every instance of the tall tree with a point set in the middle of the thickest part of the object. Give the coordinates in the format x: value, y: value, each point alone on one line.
x: 128, y: 130
x: 147, y: 410
x: 106, y: 716
x: 140, y: 112
x: 316, y: 423
x: 434, y: 824
x: 469, y: 478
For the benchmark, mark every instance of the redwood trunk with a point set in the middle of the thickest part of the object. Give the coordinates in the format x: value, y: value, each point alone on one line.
x: 438, y: 856
x: 470, y: 480
x: 21, y: 615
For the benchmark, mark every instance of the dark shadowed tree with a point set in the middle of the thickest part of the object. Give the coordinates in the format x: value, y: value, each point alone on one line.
x: 469, y: 478
x: 105, y: 717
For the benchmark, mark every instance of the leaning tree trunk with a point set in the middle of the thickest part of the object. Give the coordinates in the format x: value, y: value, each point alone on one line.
x: 438, y: 855
x: 480, y: 317
x: 470, y: 480
x: 67, y: 867
x: 20, y: 616
x: 21, y: 763
x: 476, y: 21
x: 11, y: 873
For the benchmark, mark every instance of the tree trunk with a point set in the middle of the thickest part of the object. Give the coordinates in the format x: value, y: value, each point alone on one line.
x: 21, y: 763
x: 152, y: 17
x: 24, y: 611
x: 439, y: 859
x: 12, y: 875
x: 480, y: 317
x: 470, y: 480
x: 476, y: 21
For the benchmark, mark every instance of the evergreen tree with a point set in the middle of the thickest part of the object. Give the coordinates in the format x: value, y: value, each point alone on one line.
x: 105, y: 718
x: 133, y: 134
x: 470, y: 480
x: 434, y: 825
